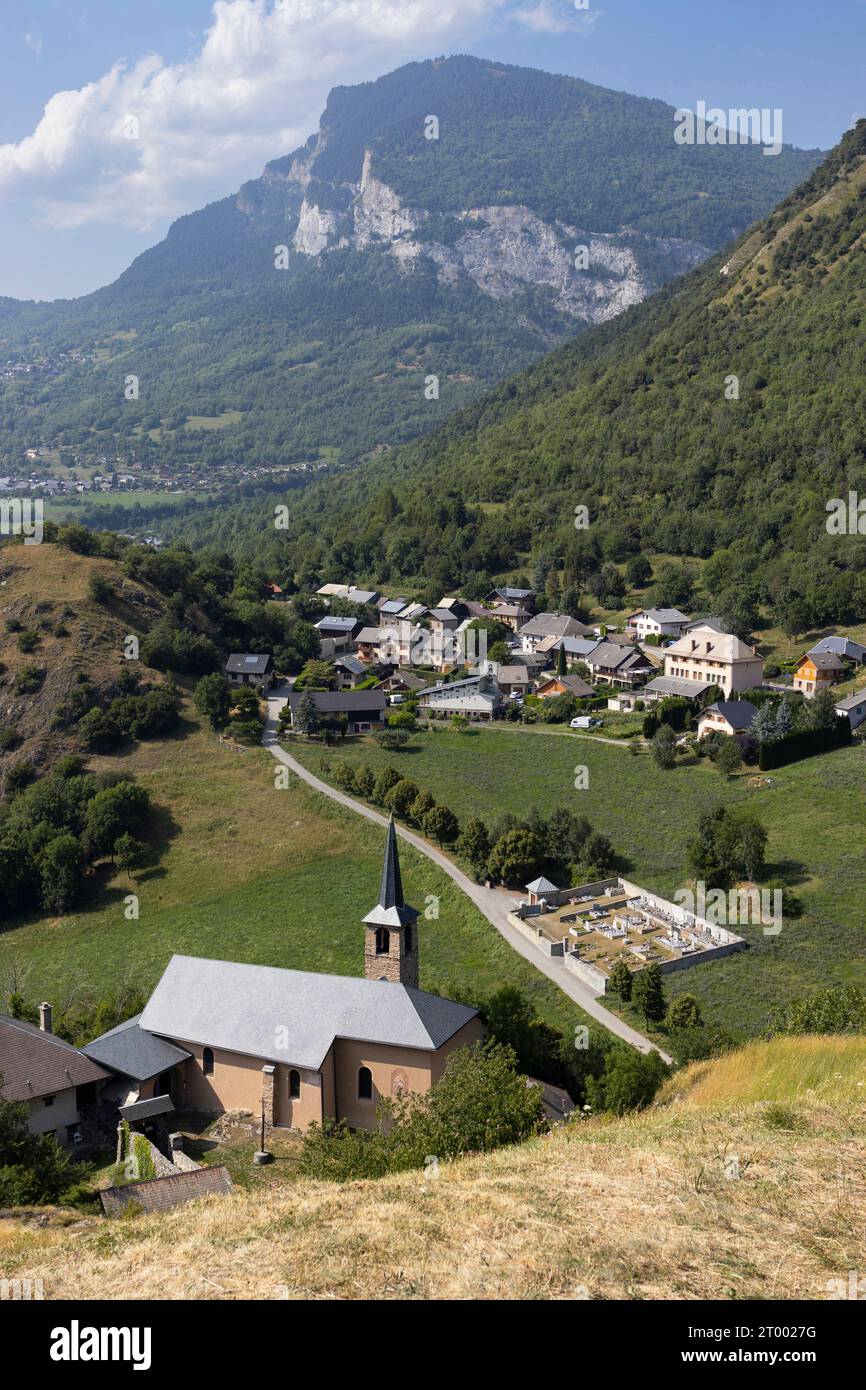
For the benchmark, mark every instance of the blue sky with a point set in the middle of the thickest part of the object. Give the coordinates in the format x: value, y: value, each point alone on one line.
x: 218, y: 88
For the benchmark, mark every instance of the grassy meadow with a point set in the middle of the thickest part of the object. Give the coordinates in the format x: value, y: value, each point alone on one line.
x: 255, y: 874
x: 814, y: 812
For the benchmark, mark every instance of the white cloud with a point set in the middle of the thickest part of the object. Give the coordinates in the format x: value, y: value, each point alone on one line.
x: 254, y: 91
x: 556, y: 17
x: 34, y: 41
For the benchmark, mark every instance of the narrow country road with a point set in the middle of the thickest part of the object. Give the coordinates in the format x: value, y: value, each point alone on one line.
x: 494, y: 903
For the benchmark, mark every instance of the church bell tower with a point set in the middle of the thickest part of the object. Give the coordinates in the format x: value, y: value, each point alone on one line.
x: 390, y: 931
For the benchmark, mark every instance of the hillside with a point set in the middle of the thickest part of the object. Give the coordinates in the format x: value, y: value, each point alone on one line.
x: 46, y: 606
x: 648, y: 1206
x: 404, y: 257
x: 633, y: 421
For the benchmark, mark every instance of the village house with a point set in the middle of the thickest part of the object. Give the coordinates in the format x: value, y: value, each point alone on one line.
x: 733, y: 717
x: 341, y: 631
x: 506, y: 594
x: 53, y: 1079
x: 844, y: 647
x: 243, y: 668
x: 512, y: 615
x: 554, y: 625
x: 402, y: 683
x: 512, y: 680
x: 853, y: 708
x: 564, y: 685
x: 477, y: 697
x: 391, y: 607
x: 619, y: 665
x: 350, y: 671
x: 300, y: 1047
x: 817, y: 671
x: 656, y: 622
x: 362, y: 710
x: 705, y: 657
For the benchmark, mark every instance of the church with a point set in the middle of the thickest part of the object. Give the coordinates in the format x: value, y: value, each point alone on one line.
x: 301, y: 1047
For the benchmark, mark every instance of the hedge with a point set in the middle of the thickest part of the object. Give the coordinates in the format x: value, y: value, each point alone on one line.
x: 803, y: 744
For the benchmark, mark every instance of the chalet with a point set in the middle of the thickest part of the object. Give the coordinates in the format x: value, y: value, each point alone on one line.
x: 444, y: 619
x: 402, y: 683
x: 477, y: 697
x: 817, y: 671
x: 619, y: 665
x: 564, y: 685
x: 656, y: 622
x: 512, y: 680
x: 351, y: 671
x: 731, y: 717
x: 52, y: 1078
x: 244, y: 668
x: 575, y: 648
x: 853, y: 708
x: 391, y: 607
x: 554, y: 625
x: 298, y: 1047
x: 398, y: 644
x: 362, y: 710
x: 844, y: 647
x: 276, y: 593
x: 362, y: 597
x: 506, y: 594
x: 341, y: 631
x: 513, y: 615
x: 705, y: 657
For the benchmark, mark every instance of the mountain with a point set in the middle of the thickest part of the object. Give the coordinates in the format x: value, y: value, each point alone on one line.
x: 716, y: 420
x: 637, y: 1207
x: 403, y: 258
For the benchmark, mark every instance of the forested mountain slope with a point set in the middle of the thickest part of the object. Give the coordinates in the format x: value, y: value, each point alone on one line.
x: 404, y: 257
x: 716, y: 420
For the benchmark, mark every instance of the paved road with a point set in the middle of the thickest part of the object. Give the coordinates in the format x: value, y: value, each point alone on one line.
x: 494, y: 903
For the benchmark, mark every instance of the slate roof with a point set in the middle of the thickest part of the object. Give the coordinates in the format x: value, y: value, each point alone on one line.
x: 391, y: 910
x: 34, y: 1063
x: 337, y: 624
x: 842, y: 646
x: 162, y: 1194
x: 337, y: 701
x: 574, y: 685
x: 541, y: 885
x: 739, y: 713
x: 853, y: 701
x: 663, y: 615
x: 146, y: 1109
x: 132, y: 1052
x: 554, y: 625
x: 822, y: 660
x: 676, y: 685
x: 240, y: 1008
x: 243, y: 663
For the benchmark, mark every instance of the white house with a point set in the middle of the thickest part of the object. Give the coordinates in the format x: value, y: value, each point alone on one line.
x: 854, y: 706
x: 656, y: 622
x: 731, y: 717
x: 478, y: 697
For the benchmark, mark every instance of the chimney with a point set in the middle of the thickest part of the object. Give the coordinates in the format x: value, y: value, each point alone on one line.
x: 45, y: 1017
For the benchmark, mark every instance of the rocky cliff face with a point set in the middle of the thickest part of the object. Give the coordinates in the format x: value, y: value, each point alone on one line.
x: 504, y: 250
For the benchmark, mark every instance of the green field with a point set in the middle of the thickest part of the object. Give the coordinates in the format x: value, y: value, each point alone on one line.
x: 814, y: 811
x: 251, y: 873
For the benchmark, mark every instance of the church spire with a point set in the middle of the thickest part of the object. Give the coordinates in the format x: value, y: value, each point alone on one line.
x: 391, y: 945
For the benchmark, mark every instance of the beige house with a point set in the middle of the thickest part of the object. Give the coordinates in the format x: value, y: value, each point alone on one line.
x: 53, y: 1079
x: 707, y: 657
x: 298, y: 1046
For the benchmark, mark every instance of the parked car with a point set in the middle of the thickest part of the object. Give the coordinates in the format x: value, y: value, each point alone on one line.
x: 396, y: 699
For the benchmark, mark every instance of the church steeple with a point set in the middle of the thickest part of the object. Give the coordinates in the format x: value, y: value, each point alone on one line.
x: 391, y: 938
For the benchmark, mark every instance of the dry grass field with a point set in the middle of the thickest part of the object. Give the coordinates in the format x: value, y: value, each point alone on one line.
x: 707, y: 1195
